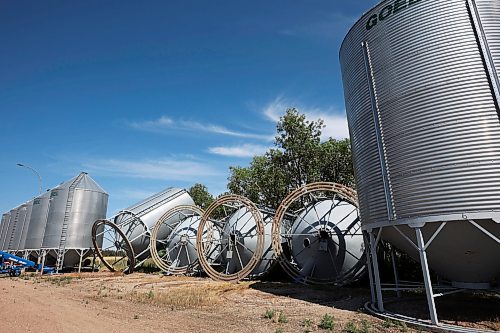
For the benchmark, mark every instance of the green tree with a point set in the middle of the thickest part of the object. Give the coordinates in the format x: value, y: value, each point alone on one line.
x: 299, y: 140
x: 299, y: 157
x: 335, y: 164
x: 200, y: 195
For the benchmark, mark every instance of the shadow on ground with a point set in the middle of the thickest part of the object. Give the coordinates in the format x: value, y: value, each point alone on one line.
x: 478, y: 309
x: 470, y: 309
x: 344, y: 298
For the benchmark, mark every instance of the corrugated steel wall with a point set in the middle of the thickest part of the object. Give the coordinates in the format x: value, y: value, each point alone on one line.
x: 433, y: 104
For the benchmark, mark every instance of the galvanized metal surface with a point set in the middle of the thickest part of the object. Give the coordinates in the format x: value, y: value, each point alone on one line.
x: 21, y: 221
x: 27, y: 220
x: 88, y: 205
x: 129, y: 231
x: 227, y: 236
x: 38, y: 221
x: 176, y: 254
x: 138, y: 220
x: 3, y: 228
x: 14, y: 218
x: 438, y: 125
x: 242, y: 225
x: 322, y: 244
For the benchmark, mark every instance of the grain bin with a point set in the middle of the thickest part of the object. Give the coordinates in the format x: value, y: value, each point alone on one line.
x: 238, y: 236
x: 3, y: 228
x: 26, y: 223
x: 176, y: 253
x: 36, y: 228
x: 317, y: 235
x: 22, y: 222
x: 421, y: 85
x: 130, y: 229
x: 73, y: 208
x: 10, y: 228
x: 230, y: 239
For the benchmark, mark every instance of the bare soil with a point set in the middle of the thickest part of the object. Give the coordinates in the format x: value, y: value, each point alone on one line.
x: 107, y: 302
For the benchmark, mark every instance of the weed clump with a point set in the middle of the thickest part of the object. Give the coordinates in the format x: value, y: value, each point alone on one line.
x: 327, y: 322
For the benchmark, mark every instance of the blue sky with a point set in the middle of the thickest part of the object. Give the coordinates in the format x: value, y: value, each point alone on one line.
x: 144, y: 95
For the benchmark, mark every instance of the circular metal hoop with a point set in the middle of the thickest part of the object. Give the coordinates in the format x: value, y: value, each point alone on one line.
x: 315, y: 243
x: 220, y: 243
x: 131, y: 224
x: 181, y: 236
x: 115, y: 241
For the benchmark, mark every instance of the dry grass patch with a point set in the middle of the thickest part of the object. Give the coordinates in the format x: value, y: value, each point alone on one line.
x: 61, y: 280
x: 186, y: 296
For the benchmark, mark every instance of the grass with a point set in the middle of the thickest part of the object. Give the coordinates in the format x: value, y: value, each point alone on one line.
x: 184, y: 298
x: 148, y: 266
x: 327, y: 322
x: 60, y: 280
x: 357, y: 327
x: 307, y: 324
x: 120, y: 266
x: 269, y: 314
x: 179, y: 297
x: 389, y: 323
x: 282, y: 318
x: 276, y: 316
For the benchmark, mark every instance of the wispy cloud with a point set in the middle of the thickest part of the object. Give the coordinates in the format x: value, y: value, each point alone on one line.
x: 164, y: 123
x: 161, y: 169
x: 244, y: 150
x: 335, y: 121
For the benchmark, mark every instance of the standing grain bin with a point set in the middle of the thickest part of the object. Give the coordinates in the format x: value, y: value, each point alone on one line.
x: 22, y: 222
x: 10, y: 228
x: 3, y: 228
x: 422, y: 93
x: 73, y: 207
x: 36, y: 227
x: 24, y: 232
x: 131, y: 228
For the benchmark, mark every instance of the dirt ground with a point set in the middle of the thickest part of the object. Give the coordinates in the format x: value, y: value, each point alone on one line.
x: 106, y: 302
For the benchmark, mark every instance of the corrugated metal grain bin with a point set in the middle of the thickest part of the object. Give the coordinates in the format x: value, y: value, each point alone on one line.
x: 14, y: 213
x: 421, y: 82
x: 141, y: 217
x: 3, y: 228
x: 38, y: 222
x: 87, y: 204
x: 26, y: 223
x: 24, y: 209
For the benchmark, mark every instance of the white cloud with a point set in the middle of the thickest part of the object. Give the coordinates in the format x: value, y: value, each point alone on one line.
x: 163, y: 123
x: 335, y: 121
x: 161, y: 169
x: 277, y: 108
x: 245, y: 150
x: 335, y: 125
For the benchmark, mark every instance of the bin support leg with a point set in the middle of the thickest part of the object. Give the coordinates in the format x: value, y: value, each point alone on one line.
x: 427, y: 277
